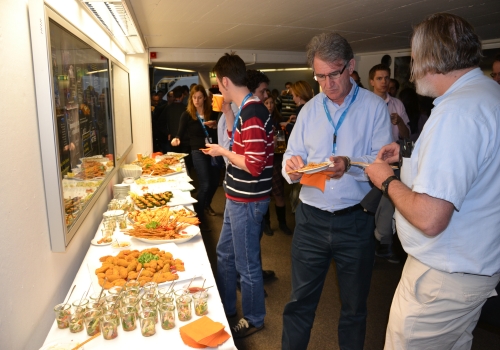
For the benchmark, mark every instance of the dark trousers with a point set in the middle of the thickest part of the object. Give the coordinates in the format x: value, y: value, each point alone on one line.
x: 208, y: 179
x: 319, y: 237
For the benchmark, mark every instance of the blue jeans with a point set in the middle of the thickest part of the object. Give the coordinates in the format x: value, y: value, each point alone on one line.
x: 208, y: 179
x: 319, y: 237
x: 238, y: 252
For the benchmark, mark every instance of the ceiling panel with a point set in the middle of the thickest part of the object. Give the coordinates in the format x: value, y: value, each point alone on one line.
x: 284, y: 25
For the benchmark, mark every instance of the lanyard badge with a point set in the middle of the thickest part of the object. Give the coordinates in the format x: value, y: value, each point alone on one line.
x: 236, y: 117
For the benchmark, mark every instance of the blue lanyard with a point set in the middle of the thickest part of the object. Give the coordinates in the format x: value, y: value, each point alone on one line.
x: 341, y: 120
x: 202, y: 125
x: 236, y: 117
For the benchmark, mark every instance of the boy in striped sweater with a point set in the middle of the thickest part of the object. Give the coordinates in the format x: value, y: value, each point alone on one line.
x: 247, y: 186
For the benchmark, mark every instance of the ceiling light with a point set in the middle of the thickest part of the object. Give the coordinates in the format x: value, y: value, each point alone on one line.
x: 176, y: 69
x: 115, y: 16
x: 283, y: 69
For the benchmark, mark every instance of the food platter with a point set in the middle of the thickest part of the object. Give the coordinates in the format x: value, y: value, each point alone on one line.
x: 312, y: 168
x: 192, y: 268
x: 188, y: 233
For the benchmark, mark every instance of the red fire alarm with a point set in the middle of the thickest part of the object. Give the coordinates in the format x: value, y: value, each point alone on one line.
x: 152, y: 55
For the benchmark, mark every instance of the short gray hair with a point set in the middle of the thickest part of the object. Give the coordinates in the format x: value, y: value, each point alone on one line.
x: 329, y: 47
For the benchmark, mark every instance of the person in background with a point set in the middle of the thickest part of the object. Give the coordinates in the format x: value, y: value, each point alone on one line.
x: 287, y: 91
x: 495, y: 69
x: 197, y: 122
x: 278, y: 185
x: 379, y: 79
x: 191, y: 86
x: 170, y: 98
x: 185, y: 94
x: 155, y: 105
x: 342, y: 122
x: 247, y: 186
x: 393, y: 87
x: 357, y: 79
x: 384, y: 228
x: 415, y: 108
x: 447, y: 205
x: 277, y: 99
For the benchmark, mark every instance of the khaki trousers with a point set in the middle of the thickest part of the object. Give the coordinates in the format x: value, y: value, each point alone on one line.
x: 433, y: 309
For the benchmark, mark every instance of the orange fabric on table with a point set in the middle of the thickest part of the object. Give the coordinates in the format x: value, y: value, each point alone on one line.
x: 203, y: 332
x: 317, y: 180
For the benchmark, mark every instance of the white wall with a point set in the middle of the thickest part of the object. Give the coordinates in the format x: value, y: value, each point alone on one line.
x: 34, y: 279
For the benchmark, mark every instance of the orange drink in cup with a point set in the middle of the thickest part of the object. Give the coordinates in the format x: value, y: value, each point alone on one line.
x: 217, y: 101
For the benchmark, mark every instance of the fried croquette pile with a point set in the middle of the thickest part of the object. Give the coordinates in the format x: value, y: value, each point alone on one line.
x: 117, y: 270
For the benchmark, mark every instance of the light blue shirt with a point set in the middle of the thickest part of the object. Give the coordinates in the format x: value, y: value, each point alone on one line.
x: 222, y: 135
x: 366, y: 128
x: 457, y: 159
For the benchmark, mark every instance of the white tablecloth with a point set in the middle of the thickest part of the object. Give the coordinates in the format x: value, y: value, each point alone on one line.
x: 193, y: 253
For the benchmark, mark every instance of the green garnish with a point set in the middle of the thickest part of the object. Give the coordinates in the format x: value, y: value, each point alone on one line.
x: 153, y: 224
x: 147, y: 257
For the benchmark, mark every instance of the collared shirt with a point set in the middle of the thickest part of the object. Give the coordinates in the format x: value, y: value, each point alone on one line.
x: 457, y: 159
x: 222, y: 135
x: 366, y: 128
x: 396, y: 106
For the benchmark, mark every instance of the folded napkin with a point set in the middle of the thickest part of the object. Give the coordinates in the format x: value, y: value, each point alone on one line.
x: 203, y: 332
x: 317, y: 180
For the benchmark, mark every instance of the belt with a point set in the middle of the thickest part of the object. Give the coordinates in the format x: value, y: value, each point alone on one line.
x: 347, y: 210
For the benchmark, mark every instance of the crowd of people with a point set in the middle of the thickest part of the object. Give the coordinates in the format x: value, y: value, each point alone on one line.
x: 443, y: 137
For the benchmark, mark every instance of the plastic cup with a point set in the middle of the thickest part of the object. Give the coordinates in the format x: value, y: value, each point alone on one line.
x: 184, y: 311
x: 148, y: 324
x: 167, y: 316
x: 200, y: 301
x: 63, y: 315
x: 109, y: 325
x: 128, y: 315
x: 217, y: 101
x: 91, y: 321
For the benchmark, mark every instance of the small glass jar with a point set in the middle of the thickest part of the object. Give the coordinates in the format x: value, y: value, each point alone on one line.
x: 91, y: 321
x: 109, y: 325
x: 80, y: 306
x: 184, y: 312
x: 128, y: 316
x: 63, y: 315
x: 167, y: 315
x: 76, y: 322
x: 200, y: 302
x: 148, y: 324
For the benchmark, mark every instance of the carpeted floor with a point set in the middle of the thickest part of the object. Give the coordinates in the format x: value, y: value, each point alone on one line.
x: 276, y: 256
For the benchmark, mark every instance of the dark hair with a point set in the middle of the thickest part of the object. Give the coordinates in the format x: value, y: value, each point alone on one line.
x: 275, y: 114
x: 329, y: 47
x: 497, y: 58
x: 214, y: 91
x: 376, y: 68
x: 395, y: 83
x: 288, y: 83
x: 177, y: 91
x: 255, y: 78
x: 185, y: 88
x: 207, y: 105
x: 409, y: 98
x: 232, y: 67
x: 444, y: 43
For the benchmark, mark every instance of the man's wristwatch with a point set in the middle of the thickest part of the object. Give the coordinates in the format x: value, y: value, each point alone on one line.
x: 347, y: 164
x: 385, y: 184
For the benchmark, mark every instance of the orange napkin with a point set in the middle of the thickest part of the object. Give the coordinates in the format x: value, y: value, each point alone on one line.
x: 203, y: 332
x: 317, y: 180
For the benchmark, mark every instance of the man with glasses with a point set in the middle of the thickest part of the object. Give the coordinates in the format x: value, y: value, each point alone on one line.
x: 342, y: 124
x: 495, y: 69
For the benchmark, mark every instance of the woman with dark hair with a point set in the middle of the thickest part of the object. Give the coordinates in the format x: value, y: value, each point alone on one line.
x: 199, y: 123
x: 278, y: 184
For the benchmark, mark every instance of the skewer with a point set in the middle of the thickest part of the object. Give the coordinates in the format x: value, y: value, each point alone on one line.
x: 88, y: 290
x: 69, y: 296
x: 86, y: 341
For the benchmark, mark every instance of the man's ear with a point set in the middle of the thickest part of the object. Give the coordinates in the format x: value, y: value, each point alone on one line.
x: 225, y: 82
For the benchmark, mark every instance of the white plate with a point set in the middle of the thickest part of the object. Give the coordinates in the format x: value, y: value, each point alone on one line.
x: 190, y: 232
x: 193, y: 268
x: 316, y: 169
x: 178, y: 155
x: 94, y: 242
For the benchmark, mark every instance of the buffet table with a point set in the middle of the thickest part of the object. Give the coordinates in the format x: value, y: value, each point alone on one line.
x: 196, y: 261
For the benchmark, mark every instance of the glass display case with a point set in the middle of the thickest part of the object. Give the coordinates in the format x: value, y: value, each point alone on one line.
x: 83, y: 136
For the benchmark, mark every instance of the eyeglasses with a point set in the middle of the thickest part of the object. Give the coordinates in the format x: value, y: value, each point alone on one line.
x: 332, y: 75
x: 494, y: 75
